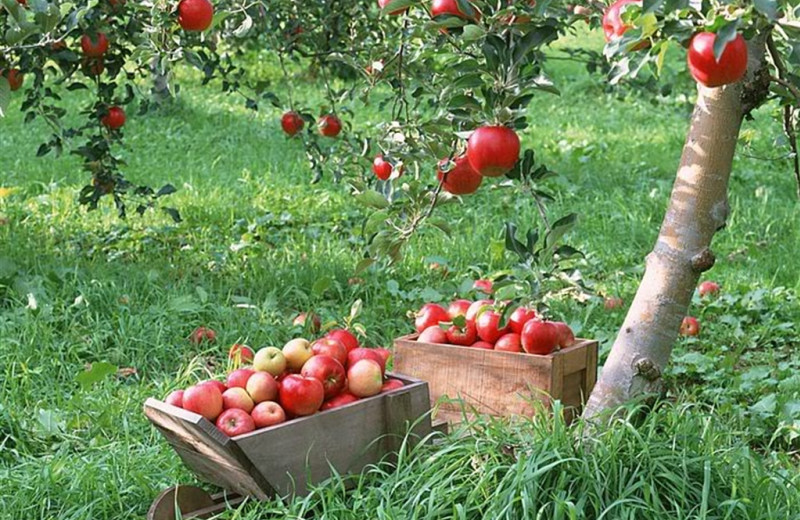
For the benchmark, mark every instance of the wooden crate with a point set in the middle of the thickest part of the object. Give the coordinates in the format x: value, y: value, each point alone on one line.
x: 286, y: 458
x: 498, y: 383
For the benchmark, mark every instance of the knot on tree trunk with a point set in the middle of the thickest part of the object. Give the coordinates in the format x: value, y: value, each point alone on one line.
x: 703, y: 261
x: 646, y: 368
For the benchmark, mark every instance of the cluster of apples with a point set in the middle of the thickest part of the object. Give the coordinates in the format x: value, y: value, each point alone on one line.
x: 297, y: 380
x: 477, y: 324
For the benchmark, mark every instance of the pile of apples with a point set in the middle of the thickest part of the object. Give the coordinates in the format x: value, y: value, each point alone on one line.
x: 300, y: 379
x: 477, y: 324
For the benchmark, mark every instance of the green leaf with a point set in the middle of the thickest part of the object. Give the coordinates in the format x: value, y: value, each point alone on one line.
x: 50, y: 422
x: 96, y: 373
x: 766, y: 406
x: 166, y: 189
x: 321, y: 285
x: 355, y: 309
x: 472, y: 33
x: 183, y: 304
x: 442, y: 225
x: 725, y: 35
x: 363, y: 264
x: 561, y: 227
x: 768, y: 8
x: 396, y: 5
x: 372, y: 199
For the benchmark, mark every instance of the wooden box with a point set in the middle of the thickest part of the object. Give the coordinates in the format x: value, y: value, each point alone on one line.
x: 286, y: 458
x: 495, y: 382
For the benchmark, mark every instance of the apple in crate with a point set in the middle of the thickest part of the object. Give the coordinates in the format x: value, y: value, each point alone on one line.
x: 219, y: 385
x: 238, y: 378
x: 328, y: 371
x: 301, y: 395
x: 483, y: 344
x: 365, y: 378
x: 392, y: 384
x: 235, y: 422
x: 430, y: 314
x: 203, y: 399
x: 385, y: 353
x: 540, y: 337
x: 509, y: 343
x: 345, y: 337
x: 340, y: 400
x: 330, y: 347
x: 433, y: 334
x: 458, y: 308
x: 271, y: 360
x: 464, y: 336
x: 268, y: 413
x: 566, y: 338
x: 519, y: 318
x: 297, y: 352
x: 476, y: 308
x: 488, y: 326
x: 175, y: 398
x: 262, y: 386
x: 237, y: 398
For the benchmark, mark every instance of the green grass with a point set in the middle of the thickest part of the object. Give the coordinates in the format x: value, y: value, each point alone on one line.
x: 130, y: 292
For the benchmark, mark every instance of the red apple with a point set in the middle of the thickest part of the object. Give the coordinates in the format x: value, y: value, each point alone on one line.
x: 384, y: 3
x: 461, y: 179
x: 433, y: 334
x: 483, y: 344
x: 381, y: 168
x: 385, y: 353
x: 329, y: 371
x: 493, y: 150
x: 708, y: 288
x: 463, y: 336
x: 175, y: 398
x: 291, y: 122
x: 233, y: 422
x: 329, y: 125
x: 488, y: 326
x: 430, y: 314
x: 219, y: 385
x: 364, y: 378
x: 690, y: 326
x: 330, y: 347
x: 476, y: 307
x: 392, y: 384
x: 271, y: 360
x: 203, y: 399
x: 297, y: 352
x: 566, y: 338
x: 340, y: 400
x: 519, y: 318
x: 239, y: 377
x: 707, y: 70
x: 612, y: 302
x: 201, y: 334
x: 458, y: 308
x: 267, y: 413
x: 237, y: 398
x: 510, y: 342
x: 240, y: 353
x: 301, y: 395
x: 613, y: 26
x: 302, y: 319
x: 539, y: 337
x: 345, y: 337
x: 358, y: 354
x: 262, y: 386
x: 484, y: 286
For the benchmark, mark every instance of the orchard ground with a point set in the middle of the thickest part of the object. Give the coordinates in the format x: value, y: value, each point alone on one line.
x: 79, y: 288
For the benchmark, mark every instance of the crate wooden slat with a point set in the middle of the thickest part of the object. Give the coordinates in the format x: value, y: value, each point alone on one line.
x: 286, y: 458
x: 498, y: 383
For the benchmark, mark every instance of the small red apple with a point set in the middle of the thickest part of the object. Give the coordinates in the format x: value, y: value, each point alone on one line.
x: 392, y: 384
x: 301, y: 395
x: 195, y: 15
x: 233, y: 422
x: 566, y: 338
x: 329, y: 371
x: 262, y: 386
x: 330, y: 347
x: 238, y: 378
x: 483, y: 344
x: 237, y: 398
x: 203, y: 399
x: 364, y: 378
x: 464, y: 336
x: 708, y: 288
x: 345, y: 336
x: 539, y: 337
x: 519, y: 318
x: 267, y: 413
x: 613, y: 302
x: 458, y: 308
x: 291, y: 123
x: 488, y: 326
x: 433, y: 334
x: 690, y: 326
x: 510, y: 342
x: 476, y: 308
x: 430, y: 314
x: 461, y: 179
x: 201, y: 334
x: 340, y: 400
x: 95, y: 45
x: 484, y: 286
x: 219, y: 385
x: 329, y: 125
x: 240, y: 353
x: 385, y: 353
x: 493, y: 150
x: 114, y: 118
x: 381, y: 168
x: 175, y: 398
x: 358, y: 354
x: 302, y: 319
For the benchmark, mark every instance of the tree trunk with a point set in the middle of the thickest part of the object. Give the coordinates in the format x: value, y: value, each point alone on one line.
x: 698, y: 208
x: 160, y: 92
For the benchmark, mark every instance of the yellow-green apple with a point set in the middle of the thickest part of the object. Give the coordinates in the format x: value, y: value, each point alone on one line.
x: 430, y: 314
x: 297, y: 352
x: 433, y: 334
x: 566, y: 338
x: 510, y: 342
x: 330, y: 347
x: 307, y: 318
x: 340, y: 400
x: 488, y: 326
x: 233, y: 422
x: 519, y: 318
x: 345, y: 337
x: 270, y: 360
x: 464, y: 336
x: 267, y: 413
x: 458, y: 308
x: 237, y: 398
x: 482, y: 344
x: 203, y: 399
x: 239, y: 377
x: 708, y: 288
x: 484, y: 286
x: 690, y: 326
x: 329, y: 371
x: 364, y: 378
x: 240, y: 353
x: 262, y: 386
x: 360, y: 353
x: 301, y: 395
x: 392, y: 384
x: 539, y: 337
x: 175, y: 398
x: 477, y: 307
x: 201, y: 334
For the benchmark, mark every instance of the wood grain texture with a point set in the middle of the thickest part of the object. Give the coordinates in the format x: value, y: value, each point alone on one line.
x: 496, y: 383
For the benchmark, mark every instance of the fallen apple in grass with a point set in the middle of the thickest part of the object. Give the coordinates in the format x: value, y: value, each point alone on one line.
x: 271, y: 360
x: 365, y: 378
x: 267, y: 413
x: 484, y: 286
x: 262, y: 386
x: 203, y: 399
x: 612, y: 302
x: 233, y: 422
x: 307, y: 319
x: 708, y: 288
x: 237, y: 398
x: 201, y: 334
x: 240, y: 353
x: 690, y: 326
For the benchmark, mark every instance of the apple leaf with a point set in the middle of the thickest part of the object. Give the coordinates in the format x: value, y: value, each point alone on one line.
x: 768, y: 8
x: 725, y: 35
x: 95, y: 373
